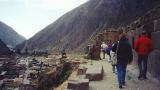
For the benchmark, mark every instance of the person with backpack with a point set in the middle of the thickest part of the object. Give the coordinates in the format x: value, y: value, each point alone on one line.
x: 143, y: 46
x: 124, y: 53
x: 108, y: 50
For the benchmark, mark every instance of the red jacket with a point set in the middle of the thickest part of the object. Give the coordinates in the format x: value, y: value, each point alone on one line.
x: 143, y: 45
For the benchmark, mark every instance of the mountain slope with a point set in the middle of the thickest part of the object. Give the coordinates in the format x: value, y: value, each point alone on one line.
x: 76, y: 27
x: 4, y: 50
x: 9, y: 36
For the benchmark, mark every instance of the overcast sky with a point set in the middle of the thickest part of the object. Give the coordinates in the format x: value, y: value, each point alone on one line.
x: 28, y: 17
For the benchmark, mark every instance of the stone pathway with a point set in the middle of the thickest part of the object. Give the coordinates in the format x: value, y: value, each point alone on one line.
x: 109, y: 81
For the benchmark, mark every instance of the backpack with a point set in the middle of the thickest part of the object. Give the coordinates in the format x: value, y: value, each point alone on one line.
x: 108, y: 50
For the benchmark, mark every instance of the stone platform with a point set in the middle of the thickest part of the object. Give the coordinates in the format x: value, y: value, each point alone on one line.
x: 94, y: 72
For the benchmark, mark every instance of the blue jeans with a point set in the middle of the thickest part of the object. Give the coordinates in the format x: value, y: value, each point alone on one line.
x: 121, y: 73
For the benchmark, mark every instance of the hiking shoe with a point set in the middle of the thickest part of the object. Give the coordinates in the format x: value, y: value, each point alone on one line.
x: 145, y: 77
x: 120, y: 87
x: 139, y: 77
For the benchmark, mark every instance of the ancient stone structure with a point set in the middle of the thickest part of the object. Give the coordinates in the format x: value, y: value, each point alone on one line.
x: 111, y: 35
x: 149, y: 22
x: 81, y: 70
x: 79, y: 84
x: 106, y: 36
x: 95, y: 72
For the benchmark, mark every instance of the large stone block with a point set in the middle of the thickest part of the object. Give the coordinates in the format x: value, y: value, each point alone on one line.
x: 72, y: 84
x: 79, y: 84
x: 154, y: 63
x: 157, y: 25
x: 94, y: 72
x: 156, y: 39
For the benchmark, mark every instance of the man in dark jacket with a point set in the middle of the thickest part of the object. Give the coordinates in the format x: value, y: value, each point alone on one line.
x: 124, y: 56
x: 143, y: 47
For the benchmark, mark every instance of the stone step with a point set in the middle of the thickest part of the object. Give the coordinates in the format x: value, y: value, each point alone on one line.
x: 94, y: 72
x: 79, y: 84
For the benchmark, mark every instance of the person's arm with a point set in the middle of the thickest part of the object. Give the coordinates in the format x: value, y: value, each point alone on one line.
x: 114, y: 48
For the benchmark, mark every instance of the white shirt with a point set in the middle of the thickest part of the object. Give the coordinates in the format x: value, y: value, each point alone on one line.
x: 104, y: 46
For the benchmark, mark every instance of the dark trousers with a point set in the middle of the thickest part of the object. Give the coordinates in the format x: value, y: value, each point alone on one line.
x: 142, y: 64
x: 121, y: 73
x: 113, y: 67
x: 108, y: 53
x: 103, y: 54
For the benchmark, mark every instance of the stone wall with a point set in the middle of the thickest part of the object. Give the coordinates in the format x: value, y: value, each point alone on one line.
x: 149, y: 22
x: 106, y: 36
x: 154, y: 58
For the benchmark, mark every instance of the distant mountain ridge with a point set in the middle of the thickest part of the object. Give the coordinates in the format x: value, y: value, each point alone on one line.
x: 74, y: 29
x: 9, y: 36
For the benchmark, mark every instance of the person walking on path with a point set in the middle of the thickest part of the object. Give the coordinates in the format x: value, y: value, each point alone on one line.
x: 108, y: 50
x: 124, y: 56
x: 103, y: 47
x: 112, y: 61
x: 143, y: 47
